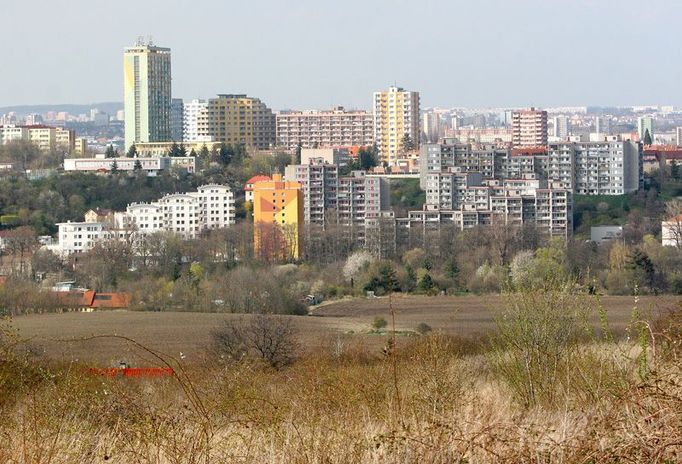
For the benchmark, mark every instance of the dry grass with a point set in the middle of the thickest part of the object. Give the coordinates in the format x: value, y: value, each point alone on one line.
x: 435, y: 399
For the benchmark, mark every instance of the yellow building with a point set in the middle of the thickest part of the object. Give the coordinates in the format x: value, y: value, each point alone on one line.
x: 278, y: 219
x: 240, y: 120
x: 396, y: 114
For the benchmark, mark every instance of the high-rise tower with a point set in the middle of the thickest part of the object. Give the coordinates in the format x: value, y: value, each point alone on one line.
x: 147, y: 93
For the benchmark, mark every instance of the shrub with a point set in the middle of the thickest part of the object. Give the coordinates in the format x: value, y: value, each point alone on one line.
x: 423, y: 328
x: 379, y: 323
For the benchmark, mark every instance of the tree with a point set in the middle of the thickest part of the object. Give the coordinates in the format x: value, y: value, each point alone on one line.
x: 297, y: 154
x: 426, y: 283
x: 672, y: 227
x: 114, y: 167
x: 182, y: 151
x: 406, y: 143
x: 204, y: 154
x: 193, y: 153
x: 642, y: 268
x: 138, y: 166
x: 674, y: 169
x: 110, y: 152
x: 225, y: 154
x: 132, y: 151
x: 269, y: 338
x: 367, y: 159
x: 647, y: 138
x: 174, y: 150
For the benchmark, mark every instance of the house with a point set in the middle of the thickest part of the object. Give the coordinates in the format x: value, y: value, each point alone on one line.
x: 248, y: 187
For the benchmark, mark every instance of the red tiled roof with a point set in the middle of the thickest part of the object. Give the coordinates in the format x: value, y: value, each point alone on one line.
x: 255, y: 179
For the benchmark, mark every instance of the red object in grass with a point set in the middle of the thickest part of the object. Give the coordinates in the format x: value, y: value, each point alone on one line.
x: 136, y: 372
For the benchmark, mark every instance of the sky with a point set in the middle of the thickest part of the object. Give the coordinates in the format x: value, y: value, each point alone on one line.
x: 305, y: 54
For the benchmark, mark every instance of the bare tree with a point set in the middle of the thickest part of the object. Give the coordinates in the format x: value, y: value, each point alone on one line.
x: 672, y: 229
x: 264, y: 336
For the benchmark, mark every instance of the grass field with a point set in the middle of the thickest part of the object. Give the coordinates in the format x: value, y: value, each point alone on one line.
x: 174, y: 333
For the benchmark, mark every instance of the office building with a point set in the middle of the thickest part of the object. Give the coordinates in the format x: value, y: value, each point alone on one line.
x: 529, y: 128
x: 240, y: 120
x: 396, y: 120
x: 337, y: 127
x: 147, y: 93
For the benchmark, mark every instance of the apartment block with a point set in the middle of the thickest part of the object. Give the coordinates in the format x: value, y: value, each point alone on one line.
x: 187, y: 214
x: 176, y: 123
x: 237, y: 119
x: 278, y: 219
x: 529, y: 128
x: 195, y: 121
x: 46, y: 138
x: 320, y: 183
x: 396, y: 115
x: 486, y: 159
x: 333, y: 128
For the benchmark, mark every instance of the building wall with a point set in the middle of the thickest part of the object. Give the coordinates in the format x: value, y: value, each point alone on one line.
x: 195, y: 121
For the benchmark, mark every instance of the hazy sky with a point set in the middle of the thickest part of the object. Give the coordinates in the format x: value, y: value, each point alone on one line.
x: 317, y: 53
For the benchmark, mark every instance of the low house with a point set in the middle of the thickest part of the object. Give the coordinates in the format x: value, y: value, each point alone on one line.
x: 92, y: 300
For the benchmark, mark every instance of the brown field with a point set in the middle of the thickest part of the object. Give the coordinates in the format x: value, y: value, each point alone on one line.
x: 65, y: 336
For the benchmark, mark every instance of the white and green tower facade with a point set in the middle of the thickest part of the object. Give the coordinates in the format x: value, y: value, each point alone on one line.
x: 147, y: 93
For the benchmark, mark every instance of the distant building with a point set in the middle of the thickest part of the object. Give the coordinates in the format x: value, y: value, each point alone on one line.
x: 562, y: 127
x: 645, y: 124
x: 278, y: 219
x: 332, y: 128
x: 240, y: 120
x: 337, y: 156
x: 195, y: 121
x: 396, y: 116
x: 529, y: 128
x: 176, y: 114
x: 678, y: 136
x: 602, y: 126
x: 151, y: 166
x: 147, y: 93
x: 605, y: 234
x: 46, y: 138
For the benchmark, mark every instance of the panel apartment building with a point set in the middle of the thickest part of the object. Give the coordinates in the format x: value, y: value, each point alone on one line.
x: 529, y: 128
x: 237, y: 119
x: 396, y: 115
x: 346, y: 200
x: 337, y: 127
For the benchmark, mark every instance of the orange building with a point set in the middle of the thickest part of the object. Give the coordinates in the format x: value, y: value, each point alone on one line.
x: 278, y: 219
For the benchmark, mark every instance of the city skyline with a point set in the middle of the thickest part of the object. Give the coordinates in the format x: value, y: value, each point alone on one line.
x: 487, y: 61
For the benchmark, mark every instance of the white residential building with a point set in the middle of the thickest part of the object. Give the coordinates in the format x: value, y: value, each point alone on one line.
x: 195, y: 121
x: 217, y: 206
x: 396, y: 116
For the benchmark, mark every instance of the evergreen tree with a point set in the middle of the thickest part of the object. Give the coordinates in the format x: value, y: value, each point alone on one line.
x: 182, y: 150
x: 647, y: 138
x: 426, y: 283
x: 366, y: 159
x: 225, y: 154
x: 114, y: 167
x: 138, y: 166
x: 174, y: 150
x: 132, y: 151
x: 674, y: 170
x: 110, y: 153
x: 193, y: 153
x: 297, y: 159
x: 407, y: 144
x: 204, y: 154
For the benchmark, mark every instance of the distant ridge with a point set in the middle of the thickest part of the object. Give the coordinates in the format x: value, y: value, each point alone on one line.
x: 107, y: 107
